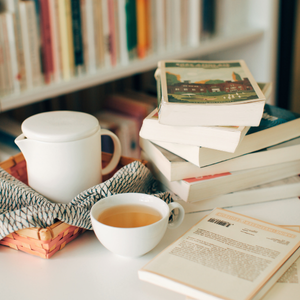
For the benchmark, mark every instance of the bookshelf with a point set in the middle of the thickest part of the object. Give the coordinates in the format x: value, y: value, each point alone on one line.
x: 136, y: 66
x: 243, y: 30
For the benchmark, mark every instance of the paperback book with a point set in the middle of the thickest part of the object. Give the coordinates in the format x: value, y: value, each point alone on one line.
x: 174, y: 167
x: 216, y: 259
x: 206, y: 187
x: 277, y: 126
x: 213, y: 137
x: 276, y: 190
x: 208, y: 93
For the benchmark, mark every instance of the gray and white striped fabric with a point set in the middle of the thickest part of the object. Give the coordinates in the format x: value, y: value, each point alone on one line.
x: 22, y: 207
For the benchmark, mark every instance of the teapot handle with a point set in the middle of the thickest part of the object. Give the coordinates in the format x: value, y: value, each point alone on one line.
x: 117, y: 152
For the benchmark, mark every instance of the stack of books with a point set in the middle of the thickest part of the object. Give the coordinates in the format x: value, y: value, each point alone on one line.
x: 214, y: 141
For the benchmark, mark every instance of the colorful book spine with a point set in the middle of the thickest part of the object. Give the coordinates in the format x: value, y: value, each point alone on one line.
x: 47, y: 53
x: 98, y: 33
x: 131, y: 27
x: 12, y: 6
x: 10, y: 21
x: 112, y: 32
x: 141, y: 28
x: 34, y: 44
x: 2, y: 65
x: 106, y: 34
x: 64, y: 40
x: 87, y: 7
x: 26, y: 48
x: 77, y: 34
x: 54, y: 27
x: 124, y: 55
x: 8, y: 85
x: 70, y: 36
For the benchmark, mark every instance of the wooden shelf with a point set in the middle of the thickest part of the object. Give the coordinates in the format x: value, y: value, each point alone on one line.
x: 43, y: 92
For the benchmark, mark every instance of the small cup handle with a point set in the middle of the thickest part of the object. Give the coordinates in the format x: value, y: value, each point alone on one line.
x: 174, y: 224
x: 117, y: 152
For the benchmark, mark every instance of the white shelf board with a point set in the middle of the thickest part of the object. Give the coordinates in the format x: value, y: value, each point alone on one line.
x: 44, y: 92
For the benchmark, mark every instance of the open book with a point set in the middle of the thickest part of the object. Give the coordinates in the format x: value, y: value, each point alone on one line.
x: 226, y: 255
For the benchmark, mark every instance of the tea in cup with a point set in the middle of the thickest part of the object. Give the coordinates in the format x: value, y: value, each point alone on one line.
x: 132, y: 224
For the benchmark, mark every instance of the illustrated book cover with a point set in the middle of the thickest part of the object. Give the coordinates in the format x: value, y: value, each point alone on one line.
x: 208, y: 93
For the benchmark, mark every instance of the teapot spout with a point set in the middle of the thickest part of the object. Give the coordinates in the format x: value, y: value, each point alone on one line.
x: 24, y: 145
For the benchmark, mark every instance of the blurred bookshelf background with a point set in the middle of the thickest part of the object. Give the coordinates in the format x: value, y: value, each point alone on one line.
x: 99, y: 56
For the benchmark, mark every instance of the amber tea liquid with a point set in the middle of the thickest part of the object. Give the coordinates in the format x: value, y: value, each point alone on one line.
x: 129, y: 216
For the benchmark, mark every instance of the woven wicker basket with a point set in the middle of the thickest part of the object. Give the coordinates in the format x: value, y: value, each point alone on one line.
x: 44, y: 242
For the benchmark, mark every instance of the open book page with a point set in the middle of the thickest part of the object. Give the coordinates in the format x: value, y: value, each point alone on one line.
x: 288, y: 286
x: 226, y: 255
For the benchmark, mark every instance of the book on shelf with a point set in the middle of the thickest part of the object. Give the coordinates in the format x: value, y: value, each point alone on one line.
x: 142, y: 31
x: 277, y: 125
x: 77, y: 35
x: 126, y: 128
x: 193, y: 24
x: 31, y: 44
x: 12, y: 7
x: 128, y: 105
x: 122, y: 23
x: 7, y: 20
x: 208, y: 93
x: 143, y: 97
x: 215, y: 137
x: 208, y: 24
x: 205, y: 187
x: 216, y: 259
x: 113, y: 31
x: 55, y: 39
x: 66, y: 39
x: 279, y: 189
x: 46, y: 38
x: 173, y: 167
x: 131, y: 28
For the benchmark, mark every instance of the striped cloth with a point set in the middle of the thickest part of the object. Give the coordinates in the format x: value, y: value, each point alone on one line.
x: 22, y: 207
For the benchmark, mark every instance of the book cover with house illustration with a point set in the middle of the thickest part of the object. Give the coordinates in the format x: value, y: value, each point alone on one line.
x: 207, y: 82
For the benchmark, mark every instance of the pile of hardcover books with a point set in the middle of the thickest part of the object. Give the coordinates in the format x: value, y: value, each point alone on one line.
x: 214, y: 141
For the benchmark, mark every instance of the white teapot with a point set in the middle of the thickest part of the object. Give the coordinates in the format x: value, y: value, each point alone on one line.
x: 62, y: 150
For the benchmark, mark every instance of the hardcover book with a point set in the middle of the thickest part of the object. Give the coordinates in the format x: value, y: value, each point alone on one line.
x: 226, y: 255
x: 208, y: 93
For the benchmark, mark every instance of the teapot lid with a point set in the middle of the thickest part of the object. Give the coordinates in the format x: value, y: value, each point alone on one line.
x: 60, y: 126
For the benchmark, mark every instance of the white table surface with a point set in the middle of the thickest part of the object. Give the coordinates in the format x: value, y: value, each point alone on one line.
x: 84, y: 269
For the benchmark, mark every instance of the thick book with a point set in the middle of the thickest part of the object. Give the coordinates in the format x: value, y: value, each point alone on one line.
x: 277, y: 126
x: 205, y: 187
x: 175, y: 168
x: 276, y: 190
x: 219, y: 138
x: 208, y: 93
x: 226, y: 255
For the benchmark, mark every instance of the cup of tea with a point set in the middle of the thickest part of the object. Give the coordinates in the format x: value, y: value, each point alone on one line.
x: 132, y: 224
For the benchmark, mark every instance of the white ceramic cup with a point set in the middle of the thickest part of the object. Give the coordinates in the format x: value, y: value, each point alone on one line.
x: 135, y: 241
